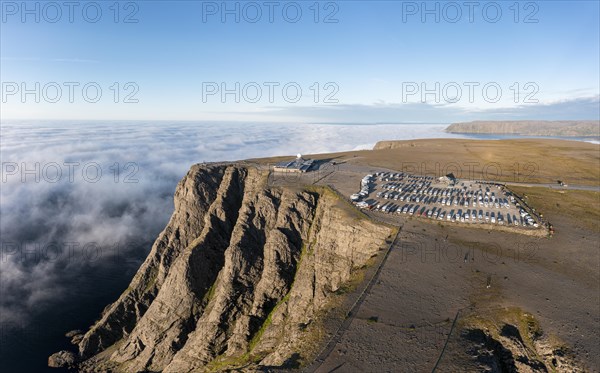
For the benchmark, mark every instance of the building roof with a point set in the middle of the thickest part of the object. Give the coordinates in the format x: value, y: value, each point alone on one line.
x: 297, y: 164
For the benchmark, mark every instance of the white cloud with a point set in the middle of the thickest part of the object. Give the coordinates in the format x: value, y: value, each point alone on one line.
x: 37, y: 215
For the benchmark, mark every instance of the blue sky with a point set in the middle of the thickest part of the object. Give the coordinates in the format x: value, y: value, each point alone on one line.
x: 372, y: 57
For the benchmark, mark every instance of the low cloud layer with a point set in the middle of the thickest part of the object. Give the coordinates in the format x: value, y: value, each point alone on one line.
x: 90, y: 197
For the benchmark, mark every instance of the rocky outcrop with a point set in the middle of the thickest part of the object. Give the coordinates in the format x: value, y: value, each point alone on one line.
x: 235, y: 277
x: 193, y: 197
x: 62, y: 359
x: 518, y: 347
x: 76, y: 336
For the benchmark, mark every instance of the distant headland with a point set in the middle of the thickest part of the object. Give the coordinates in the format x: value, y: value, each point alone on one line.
x: 563, y: 128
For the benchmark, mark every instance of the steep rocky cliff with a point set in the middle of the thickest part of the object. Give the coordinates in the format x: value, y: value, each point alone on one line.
x: 236, y: 276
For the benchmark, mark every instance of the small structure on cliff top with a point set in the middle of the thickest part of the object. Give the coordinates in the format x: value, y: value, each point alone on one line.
x: 298, y: 164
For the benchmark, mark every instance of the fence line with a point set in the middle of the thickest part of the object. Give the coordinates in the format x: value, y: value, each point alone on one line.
x: 446, y: 343
x: 350, y: 315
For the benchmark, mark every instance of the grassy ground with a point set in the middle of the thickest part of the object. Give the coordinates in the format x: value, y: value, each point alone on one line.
x: 521, y: 160
x: 555, y: 280
x: 583, y: 206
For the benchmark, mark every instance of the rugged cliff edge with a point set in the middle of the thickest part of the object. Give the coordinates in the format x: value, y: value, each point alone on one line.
x: 237, y: 275
x: 511, y: 340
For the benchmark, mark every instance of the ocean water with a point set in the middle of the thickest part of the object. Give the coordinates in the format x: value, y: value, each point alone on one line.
x: 82, y: 202
x: 591, y: 139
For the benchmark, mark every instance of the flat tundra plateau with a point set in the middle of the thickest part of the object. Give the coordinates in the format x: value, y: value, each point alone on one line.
x: 438, y: 269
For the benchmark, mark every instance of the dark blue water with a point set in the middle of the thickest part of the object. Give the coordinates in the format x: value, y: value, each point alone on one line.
x: 25, y: 346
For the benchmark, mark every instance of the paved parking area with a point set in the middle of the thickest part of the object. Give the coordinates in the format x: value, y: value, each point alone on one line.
x: 445, y: 198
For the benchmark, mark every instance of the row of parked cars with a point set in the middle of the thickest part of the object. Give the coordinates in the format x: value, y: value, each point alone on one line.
x: 527, y: 218
x: 462, y: 199
x: 427, y: 197
x: 401, y: 176
x: 365, y: 188
x: 456, y: 215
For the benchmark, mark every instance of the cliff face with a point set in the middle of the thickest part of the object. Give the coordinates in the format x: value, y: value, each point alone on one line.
x: 236, y: 275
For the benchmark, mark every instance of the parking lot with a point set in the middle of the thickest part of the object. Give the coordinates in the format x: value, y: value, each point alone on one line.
x: 444, y: 198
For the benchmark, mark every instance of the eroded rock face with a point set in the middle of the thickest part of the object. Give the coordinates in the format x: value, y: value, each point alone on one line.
x: 508, y: 352
x: 62, y: 359
x: 237, y: 271
x: 193, y: 197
